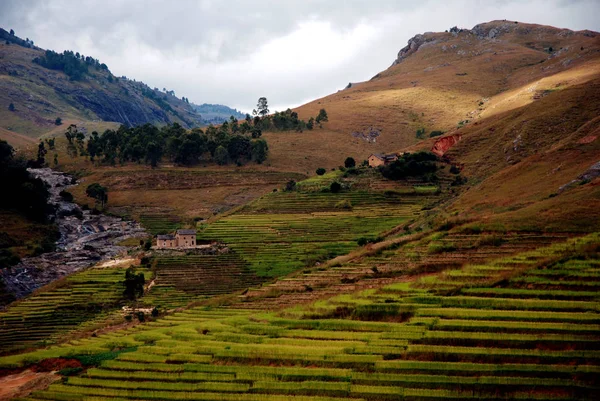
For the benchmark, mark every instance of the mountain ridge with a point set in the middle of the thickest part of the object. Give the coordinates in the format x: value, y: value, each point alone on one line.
x: 45, y: 85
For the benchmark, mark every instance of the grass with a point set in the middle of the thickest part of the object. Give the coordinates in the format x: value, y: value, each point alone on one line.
x: 446, y: 351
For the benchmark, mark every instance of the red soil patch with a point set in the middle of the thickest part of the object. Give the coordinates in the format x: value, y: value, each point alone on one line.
x: 587, y: 139
x: 24, y: 383
x: 55, y: 364
x: 442, y: 145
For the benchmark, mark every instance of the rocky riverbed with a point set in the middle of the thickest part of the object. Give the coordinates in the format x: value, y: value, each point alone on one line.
x: 85, y: 239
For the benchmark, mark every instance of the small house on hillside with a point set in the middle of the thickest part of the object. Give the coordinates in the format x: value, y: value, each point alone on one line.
x: 378, y: 159
x: 181, y: 239
x: 166, y: 241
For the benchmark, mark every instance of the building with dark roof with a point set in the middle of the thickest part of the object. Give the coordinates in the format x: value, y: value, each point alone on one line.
x: 181, y: 239
x: 378, y: 159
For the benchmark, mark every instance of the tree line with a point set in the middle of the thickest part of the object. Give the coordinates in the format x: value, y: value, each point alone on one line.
x: 283, y: 121
x: 74, y: 65
x: 150, y: 144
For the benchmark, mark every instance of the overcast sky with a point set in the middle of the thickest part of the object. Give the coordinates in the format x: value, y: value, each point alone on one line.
x: 234, y: 51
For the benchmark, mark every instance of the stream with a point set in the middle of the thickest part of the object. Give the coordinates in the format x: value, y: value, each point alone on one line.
x: 85, y: 239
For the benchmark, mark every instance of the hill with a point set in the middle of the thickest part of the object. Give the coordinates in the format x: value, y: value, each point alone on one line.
x: 217, y: 113
x: 480, y: 281
x: 43, y: 86
x: 440, y: 81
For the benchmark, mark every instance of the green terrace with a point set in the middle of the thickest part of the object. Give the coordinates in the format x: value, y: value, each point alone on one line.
x: 402, y: 340
x: 286, y: 231
x: 44, y: 316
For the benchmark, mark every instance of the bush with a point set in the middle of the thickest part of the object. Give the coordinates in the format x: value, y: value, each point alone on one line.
x: 321, y: 171
x: 454, y: 170
x: 344, y: 204
x: 290, y: 185
x: 335, y: 187
x: 66, y: 196
x: 58, y: 121
x: 349, y: 162
x: 411, y: 165
x: 435, y: 133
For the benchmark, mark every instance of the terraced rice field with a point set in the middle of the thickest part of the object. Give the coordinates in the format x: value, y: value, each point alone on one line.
x: 405, y: 340
x: 283, y: 232
x: 183, y: 278
x: 437, y: 252
x: 41, y: 318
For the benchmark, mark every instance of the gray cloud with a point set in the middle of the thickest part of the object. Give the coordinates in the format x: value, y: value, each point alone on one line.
x: 232, y: 52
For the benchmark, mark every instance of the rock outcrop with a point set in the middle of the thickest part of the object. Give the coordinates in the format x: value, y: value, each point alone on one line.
x: 414, y: 44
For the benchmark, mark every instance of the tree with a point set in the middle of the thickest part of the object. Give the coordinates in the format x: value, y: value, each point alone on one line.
x: 12, y: 32
x: 260, y: 150
x: 349, y: 162
x: 153, y: 153
x: 71, y: 133
x: 41, y: 155
x: 134, y: 284
x: 58, y: 121
x: 262, y: 108
x: 11, y: 107
x: 321, y: 171
x: 322, y: 116
x: 221, y: 155
x: 335, y: 187
x: 98, y: 192
x: 290, y: 185
x: 310, y: 124
x: 56, y: 159
x: 51, y: 143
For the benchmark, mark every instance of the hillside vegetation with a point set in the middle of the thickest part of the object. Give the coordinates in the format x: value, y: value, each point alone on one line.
x: 473, y: 274
x: 44, y: 85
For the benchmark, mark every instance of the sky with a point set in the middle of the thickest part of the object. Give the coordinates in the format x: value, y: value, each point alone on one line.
x: 233, y: 52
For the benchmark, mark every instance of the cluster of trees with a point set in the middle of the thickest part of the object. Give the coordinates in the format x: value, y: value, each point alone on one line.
x: 287, y: 120
x: 134, y: 284
x: 22, y: 191
x: 147, y: 143
x: 98, y: 193
x: 420, y: 164
x: 75, y: 65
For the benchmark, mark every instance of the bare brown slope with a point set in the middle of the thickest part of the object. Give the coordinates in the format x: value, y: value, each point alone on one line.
x: 519, y: 162
x: 441, y: 79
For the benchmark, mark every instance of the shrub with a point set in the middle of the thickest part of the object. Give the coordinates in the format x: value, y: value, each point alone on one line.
x: 66, y: 196
x: 344, y: 204
x: 321, y: 171
x: 349, y: 162
x: 335, y: 187
x: 411, y: 165
x: 436, y: 133
x: 454, y: 170
x: 290, y: 185
x: 58, y: 121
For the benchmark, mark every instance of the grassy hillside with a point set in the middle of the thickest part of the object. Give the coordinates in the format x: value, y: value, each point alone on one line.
x: 40, y: 95
x: 484, y: 286
x: 451, y: 77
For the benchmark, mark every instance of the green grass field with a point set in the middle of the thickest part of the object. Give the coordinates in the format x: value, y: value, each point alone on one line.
x: 448, y: 345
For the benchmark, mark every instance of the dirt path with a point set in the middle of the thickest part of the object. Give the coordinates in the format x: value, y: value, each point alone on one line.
x: 24, y: 383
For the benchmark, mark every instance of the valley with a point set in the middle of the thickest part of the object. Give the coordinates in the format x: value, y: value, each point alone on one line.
x: 472, y: 272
